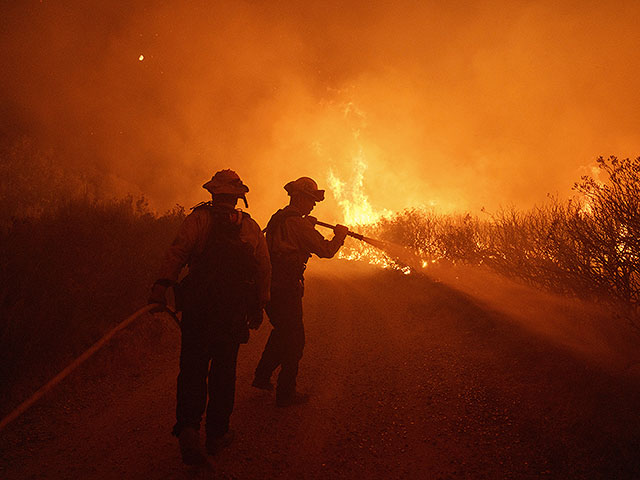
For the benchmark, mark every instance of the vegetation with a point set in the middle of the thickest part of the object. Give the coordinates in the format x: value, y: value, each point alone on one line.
x: 69, y: 274
x: 70, y: 270
x: 587, y: 246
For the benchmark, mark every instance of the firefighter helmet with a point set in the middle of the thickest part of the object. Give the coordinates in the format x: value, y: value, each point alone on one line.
x: 307, y: 186
x: 226, y: 181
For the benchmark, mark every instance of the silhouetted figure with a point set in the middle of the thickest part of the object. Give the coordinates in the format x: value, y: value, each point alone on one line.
x: 221, y: 297
x: 292, y: 238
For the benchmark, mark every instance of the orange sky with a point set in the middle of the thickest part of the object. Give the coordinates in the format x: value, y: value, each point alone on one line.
x: 456, y: 104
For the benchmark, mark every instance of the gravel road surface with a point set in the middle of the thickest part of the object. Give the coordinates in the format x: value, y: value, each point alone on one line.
x: 425, y: 377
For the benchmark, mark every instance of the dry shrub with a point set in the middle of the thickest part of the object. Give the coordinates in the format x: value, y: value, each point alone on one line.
x: 607, y: 231
x: 588, y: 246
x: 70, y: 274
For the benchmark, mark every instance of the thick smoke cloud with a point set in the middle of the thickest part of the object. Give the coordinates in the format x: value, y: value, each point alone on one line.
x: 456, y: 104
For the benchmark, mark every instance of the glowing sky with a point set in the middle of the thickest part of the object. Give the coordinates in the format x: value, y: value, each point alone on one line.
x: 456, y: 104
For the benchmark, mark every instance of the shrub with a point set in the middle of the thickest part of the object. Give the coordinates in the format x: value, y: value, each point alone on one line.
x: 70, y: 274
x: 589, y: 245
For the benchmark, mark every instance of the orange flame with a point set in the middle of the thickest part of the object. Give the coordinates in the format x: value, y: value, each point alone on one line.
x: 357, y: 211
x: 356, y: 208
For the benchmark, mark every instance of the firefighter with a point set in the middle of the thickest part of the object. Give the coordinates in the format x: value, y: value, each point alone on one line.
x: 221, y: 297
x: 292, y: 238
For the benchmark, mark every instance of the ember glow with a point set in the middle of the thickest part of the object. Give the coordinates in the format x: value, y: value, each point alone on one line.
x: 359, y: 215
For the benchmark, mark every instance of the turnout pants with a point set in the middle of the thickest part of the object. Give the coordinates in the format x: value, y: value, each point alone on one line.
x: 286, y: 341
x: 207, y: 366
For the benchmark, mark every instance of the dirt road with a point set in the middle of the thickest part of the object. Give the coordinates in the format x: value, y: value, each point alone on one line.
x: 410, y: 378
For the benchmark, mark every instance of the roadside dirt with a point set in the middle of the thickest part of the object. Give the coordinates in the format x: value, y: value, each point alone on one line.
x: 411, y: 377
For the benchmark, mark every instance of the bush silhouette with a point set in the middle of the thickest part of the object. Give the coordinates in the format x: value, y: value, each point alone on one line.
x: 586, y: 246
x: 70, y: 274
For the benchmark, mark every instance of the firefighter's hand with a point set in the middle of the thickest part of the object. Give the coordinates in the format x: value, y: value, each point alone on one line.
x: 255, y: 320
x: 340, y: 232
x: 158, y: 295
x: 312, y: 220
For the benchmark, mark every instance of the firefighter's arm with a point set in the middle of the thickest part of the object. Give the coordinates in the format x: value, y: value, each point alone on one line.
x: 263, y: 280
x: 188, y: 238
x: 314, y: 242
x: 264, y: 269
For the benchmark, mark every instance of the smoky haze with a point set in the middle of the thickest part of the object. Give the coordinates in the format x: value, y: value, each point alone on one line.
x: 454, y: 104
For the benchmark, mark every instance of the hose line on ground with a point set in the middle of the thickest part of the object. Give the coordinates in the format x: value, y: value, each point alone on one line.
x: 24, y: 406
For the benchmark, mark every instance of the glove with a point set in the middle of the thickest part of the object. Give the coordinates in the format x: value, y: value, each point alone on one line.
x: 158, y: 295
x: 312, y: 220
x: 254, y: 319
x: 340, y: 232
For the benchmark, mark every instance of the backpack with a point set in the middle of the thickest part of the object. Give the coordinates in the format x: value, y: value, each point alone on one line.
x: 221, y: 287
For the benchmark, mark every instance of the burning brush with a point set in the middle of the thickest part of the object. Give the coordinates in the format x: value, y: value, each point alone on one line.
x: 402, y: 257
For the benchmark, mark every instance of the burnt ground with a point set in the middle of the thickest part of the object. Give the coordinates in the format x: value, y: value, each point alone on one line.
x: 411, y: 377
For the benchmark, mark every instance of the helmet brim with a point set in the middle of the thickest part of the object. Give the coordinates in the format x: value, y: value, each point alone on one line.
x: 234, y: 189
x: 292, y: 189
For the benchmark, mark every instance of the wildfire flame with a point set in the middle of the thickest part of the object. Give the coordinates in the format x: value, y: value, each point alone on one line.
x: 358, y: 212
x: 355, y: 204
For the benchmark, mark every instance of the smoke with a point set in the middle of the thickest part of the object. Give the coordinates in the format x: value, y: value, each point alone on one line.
x: 594, y: 332
x: 449, y: 104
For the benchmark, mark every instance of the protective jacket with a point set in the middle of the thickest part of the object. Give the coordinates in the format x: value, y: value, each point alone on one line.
x: 291, y: 239
x: 229, y: 270
x: 192, y: 238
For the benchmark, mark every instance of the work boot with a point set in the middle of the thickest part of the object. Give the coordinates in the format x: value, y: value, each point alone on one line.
x: 262, y: 384
x: 192, y: 454
x: 216, y: 444
x: 295, y: 399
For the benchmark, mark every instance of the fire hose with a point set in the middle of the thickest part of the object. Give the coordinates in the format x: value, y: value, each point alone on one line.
x: 399, y: 254
x: 24, y: 406
x: 371, y: 241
